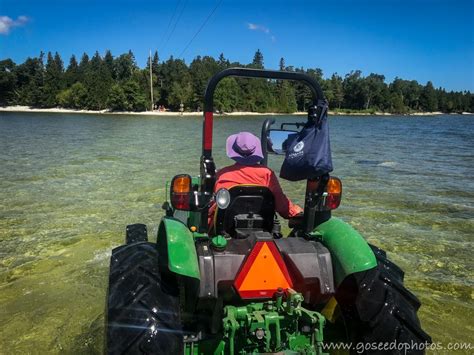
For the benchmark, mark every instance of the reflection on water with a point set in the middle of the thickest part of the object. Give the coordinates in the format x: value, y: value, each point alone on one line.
x: 70, y: 183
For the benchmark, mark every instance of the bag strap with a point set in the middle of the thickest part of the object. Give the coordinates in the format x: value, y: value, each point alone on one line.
x: 316, y: 113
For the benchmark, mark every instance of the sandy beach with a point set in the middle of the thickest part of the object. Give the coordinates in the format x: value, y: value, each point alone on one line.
x: 171, y: 113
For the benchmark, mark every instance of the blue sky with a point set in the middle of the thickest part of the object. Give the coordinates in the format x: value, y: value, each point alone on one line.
x: 419, y: 39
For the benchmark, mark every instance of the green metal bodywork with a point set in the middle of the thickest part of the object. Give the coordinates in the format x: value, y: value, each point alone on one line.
x: 350, y: 252
x: 181, y: 251
x: 270, y: 326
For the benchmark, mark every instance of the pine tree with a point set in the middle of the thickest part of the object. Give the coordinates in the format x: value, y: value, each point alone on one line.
x: 257, y: 61
x: 428, y: 98
x: 200, y: 70
x: 134, y: 96
x: 30, y: 82
x: 72, y: 72
x: 222, y: 62
x: 53, y: 80
x: 155, y: 63
x: 177, y: 84
x: 98, y: 82
x: 132, y: 58
x: 282, y: 64
x: 7, y: 82
x: 109, y: 63
x: 83, y: 66
x: 125, y: 66
x: 337, y: 91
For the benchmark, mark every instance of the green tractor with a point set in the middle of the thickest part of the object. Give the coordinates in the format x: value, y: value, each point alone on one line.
x: 244, y: 288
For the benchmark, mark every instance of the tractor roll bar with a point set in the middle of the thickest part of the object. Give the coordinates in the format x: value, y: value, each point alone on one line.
x: 208, y: 168
x: 316, y: 92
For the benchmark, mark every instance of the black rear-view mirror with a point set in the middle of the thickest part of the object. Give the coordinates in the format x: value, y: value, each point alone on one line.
x: 278, y: 140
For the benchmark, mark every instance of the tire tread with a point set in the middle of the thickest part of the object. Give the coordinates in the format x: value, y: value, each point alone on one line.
x: 142, y: 314
x: 379, y: 308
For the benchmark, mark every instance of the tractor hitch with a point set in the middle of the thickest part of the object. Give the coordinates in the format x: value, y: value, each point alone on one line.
x: 272, y: 326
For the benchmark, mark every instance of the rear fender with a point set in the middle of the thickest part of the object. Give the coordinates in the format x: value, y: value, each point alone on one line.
x: 350, y: 252
x: 176, y: 248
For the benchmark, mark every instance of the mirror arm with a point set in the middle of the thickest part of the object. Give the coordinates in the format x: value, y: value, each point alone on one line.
x: 297, y: 124
x: 264, y: 138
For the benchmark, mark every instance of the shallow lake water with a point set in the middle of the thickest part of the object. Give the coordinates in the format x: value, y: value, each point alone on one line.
x: 69, y: 184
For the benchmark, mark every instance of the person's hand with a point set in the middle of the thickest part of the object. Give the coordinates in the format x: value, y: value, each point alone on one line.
x: 296, y: 221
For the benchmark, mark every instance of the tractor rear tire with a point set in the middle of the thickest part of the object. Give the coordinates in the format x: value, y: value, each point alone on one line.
x: 143, y: 314
x: 379, y: 310
x: 136, y: 233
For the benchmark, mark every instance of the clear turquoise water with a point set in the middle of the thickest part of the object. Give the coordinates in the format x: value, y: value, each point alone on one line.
x: 69, y: 184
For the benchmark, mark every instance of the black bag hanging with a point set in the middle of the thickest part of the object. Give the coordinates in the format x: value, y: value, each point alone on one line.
x: 308, y: 154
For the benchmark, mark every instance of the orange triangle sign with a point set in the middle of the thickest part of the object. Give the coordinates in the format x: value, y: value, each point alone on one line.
x: 262, y: 273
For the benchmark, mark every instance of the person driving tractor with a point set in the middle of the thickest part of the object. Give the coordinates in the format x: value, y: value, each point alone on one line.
x: 246, y: 149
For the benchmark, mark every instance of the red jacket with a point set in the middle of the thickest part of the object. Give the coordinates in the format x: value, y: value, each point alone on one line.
x: 256, y: 175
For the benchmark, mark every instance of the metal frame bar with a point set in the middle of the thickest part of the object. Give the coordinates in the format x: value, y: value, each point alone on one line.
x: 207, y: 169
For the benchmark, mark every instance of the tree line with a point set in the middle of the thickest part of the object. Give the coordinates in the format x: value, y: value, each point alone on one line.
x: 118, y: 84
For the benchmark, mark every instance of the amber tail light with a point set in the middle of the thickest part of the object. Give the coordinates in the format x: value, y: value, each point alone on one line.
x: 181, y: 192
x: 332, y: 194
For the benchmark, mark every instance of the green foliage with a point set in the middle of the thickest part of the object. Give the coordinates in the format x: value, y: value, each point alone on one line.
x: 354, y: 93
x: 155, y: 64
x: 428, y: 98
x: 286, y: 101
x: 74, y: 97
x: 117, y: 100
x: 124, y: 66
x: 200, y: 70
x: 257, y: 61
x: 336, y: 90
x: 71, y: 75
x: 226, y: 97
x: 30, y: 80
x: 98, y: 81
x: 109, y: 64
x: 7, y: 82
x: 396, y: 103
x: 180, y: 94
x: 375, y: 92
x: 134, y: 97
x: 126, y: 97
x: 83, y: 65
x: 118, y: 84
x: 177, y: 84
x: 223, y: 62
x: 53, y: 80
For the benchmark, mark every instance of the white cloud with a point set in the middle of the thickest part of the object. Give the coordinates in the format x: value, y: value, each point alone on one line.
x: 252, y: 26
x: 261, y: 28
x: 7, y: 23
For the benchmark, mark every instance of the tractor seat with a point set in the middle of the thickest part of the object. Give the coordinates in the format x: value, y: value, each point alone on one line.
x: 251, y: 208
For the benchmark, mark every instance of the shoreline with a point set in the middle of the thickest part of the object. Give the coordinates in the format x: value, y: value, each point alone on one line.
x: 26, y: 109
